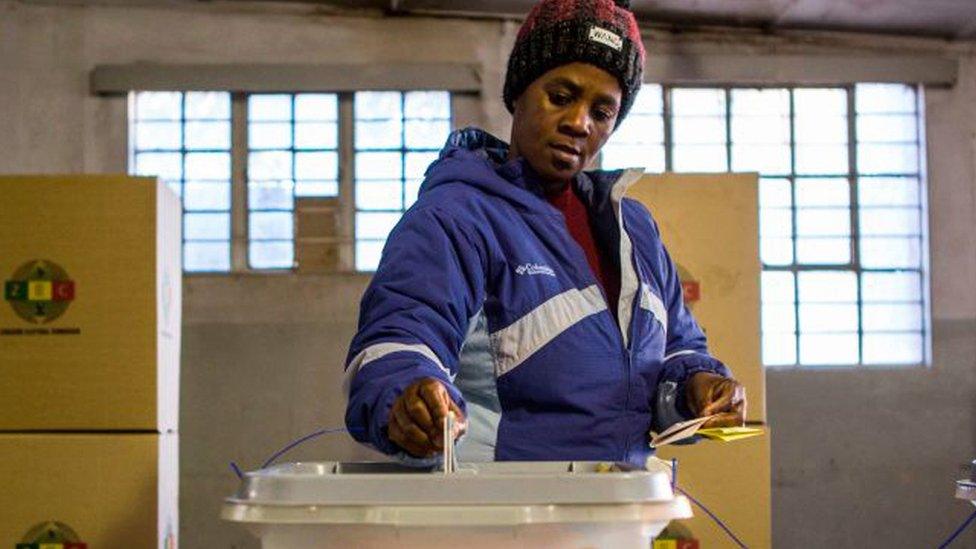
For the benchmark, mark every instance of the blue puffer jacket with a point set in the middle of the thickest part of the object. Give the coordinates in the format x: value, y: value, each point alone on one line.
x: 482, y: 287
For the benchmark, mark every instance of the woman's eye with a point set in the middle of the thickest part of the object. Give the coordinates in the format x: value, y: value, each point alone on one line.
x: 602, y: 115
x: 559, y: 98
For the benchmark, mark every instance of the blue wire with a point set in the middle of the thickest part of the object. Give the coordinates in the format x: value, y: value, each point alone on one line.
x: 237, y: 470
x: 715, y: 518
x: 279, y: 453
x: 302, y: 440
x: 958, y: 531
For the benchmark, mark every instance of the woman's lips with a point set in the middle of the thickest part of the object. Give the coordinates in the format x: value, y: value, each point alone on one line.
x: 565, y: 153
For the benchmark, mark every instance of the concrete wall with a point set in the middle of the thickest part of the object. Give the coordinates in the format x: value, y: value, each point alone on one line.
x: 861, y: 458
x: 262, y: 360
x: 865, y: 458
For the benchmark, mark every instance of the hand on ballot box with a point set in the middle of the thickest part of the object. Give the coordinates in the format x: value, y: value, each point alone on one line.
x: 417, y: 418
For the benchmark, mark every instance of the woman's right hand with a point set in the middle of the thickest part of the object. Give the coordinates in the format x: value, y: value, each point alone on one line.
x: 416, y: 421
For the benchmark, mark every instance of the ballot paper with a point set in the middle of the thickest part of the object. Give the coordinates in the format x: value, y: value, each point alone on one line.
x: 686, y: 429
x: 678, y: 431
x: 729, y: 434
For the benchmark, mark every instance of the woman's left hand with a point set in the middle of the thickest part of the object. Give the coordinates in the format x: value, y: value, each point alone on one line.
x: 711, y: 394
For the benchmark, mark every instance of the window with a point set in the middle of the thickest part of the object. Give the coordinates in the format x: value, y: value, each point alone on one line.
x: 397, y: 136
x: 293, y: 151
x: 841, y: 209
x: 639, y: 140
x: 291, y: 146
x: 185, y: 139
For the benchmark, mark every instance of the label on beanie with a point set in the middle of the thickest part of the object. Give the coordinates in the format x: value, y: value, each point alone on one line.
x: 606, y: 38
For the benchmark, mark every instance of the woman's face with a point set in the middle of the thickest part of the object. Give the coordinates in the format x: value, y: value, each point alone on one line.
x: 563, y: 119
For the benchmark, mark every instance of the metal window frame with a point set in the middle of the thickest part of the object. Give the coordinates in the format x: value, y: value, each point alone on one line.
x: 852, y: 176
x: 239, y: 240
x: 133, y: 151
x: 244, y: 264
x: 402, y: 150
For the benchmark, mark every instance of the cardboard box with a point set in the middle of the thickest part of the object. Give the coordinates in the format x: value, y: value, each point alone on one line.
x: 316, y: 257
x: 317, y: 240
x: 90, y: 321
x: 316, y: 217
x: 732, y: 479
x: 710, y: 225
x: 102, y: 490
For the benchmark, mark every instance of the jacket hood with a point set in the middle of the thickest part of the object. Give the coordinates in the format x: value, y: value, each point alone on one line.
x: 477, y: 158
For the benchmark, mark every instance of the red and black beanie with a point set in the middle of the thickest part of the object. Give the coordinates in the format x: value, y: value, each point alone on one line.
x: 602, y: 33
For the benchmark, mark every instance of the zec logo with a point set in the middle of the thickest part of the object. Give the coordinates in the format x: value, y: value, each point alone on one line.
x: 51, y: 534
x: 39, y: 291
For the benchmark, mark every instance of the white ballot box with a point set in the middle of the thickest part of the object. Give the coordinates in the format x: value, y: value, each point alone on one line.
x: 500, y: 505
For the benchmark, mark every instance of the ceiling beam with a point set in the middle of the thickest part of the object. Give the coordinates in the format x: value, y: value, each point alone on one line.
x: 968, y: 31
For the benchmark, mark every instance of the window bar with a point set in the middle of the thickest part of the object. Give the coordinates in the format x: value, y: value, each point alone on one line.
x: 239, y: 194
x: 728, y: 129
x: 922, y: 186
x: 132, y: 151
x: 794, y: 264
x: 294, y: 180
x: 852, y: 170
x: 403, y: 151
x: 181, y: 184
x: 347, y: 182
x: 666, y: 108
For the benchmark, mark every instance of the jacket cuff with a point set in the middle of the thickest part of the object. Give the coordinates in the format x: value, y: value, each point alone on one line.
x: 666, y: 411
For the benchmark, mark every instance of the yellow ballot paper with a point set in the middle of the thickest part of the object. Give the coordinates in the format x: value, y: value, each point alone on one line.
x: 692, y: 427
x: 728, y: 434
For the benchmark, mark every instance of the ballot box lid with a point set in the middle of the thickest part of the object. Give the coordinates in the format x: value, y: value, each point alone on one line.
x: 496, y: 483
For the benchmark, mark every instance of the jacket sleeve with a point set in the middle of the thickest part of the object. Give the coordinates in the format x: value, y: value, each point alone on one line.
x: 413, y: 319
x: 686, y: 350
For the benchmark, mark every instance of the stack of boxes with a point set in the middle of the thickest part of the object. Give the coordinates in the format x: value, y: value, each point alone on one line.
x: 710, y: 225
x: 89, y: 356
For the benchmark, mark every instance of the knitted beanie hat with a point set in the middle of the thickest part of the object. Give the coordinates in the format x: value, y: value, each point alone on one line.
x: 603, y: 33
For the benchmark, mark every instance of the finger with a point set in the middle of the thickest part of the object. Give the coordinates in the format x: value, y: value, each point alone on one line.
x: 396, y: 434
x: 723, y: 404
x: 436, y: 398
x: 728, y: 419
x: 724, y: 388
x: 707, y: 398
x: 698, y: 406
x: 395, y: 427
x: 418, y: 412
x: 698, y: 401
x: 411, y: 431
x: 722, y: 398
x: 699, y: 391
x: 416, y: 442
